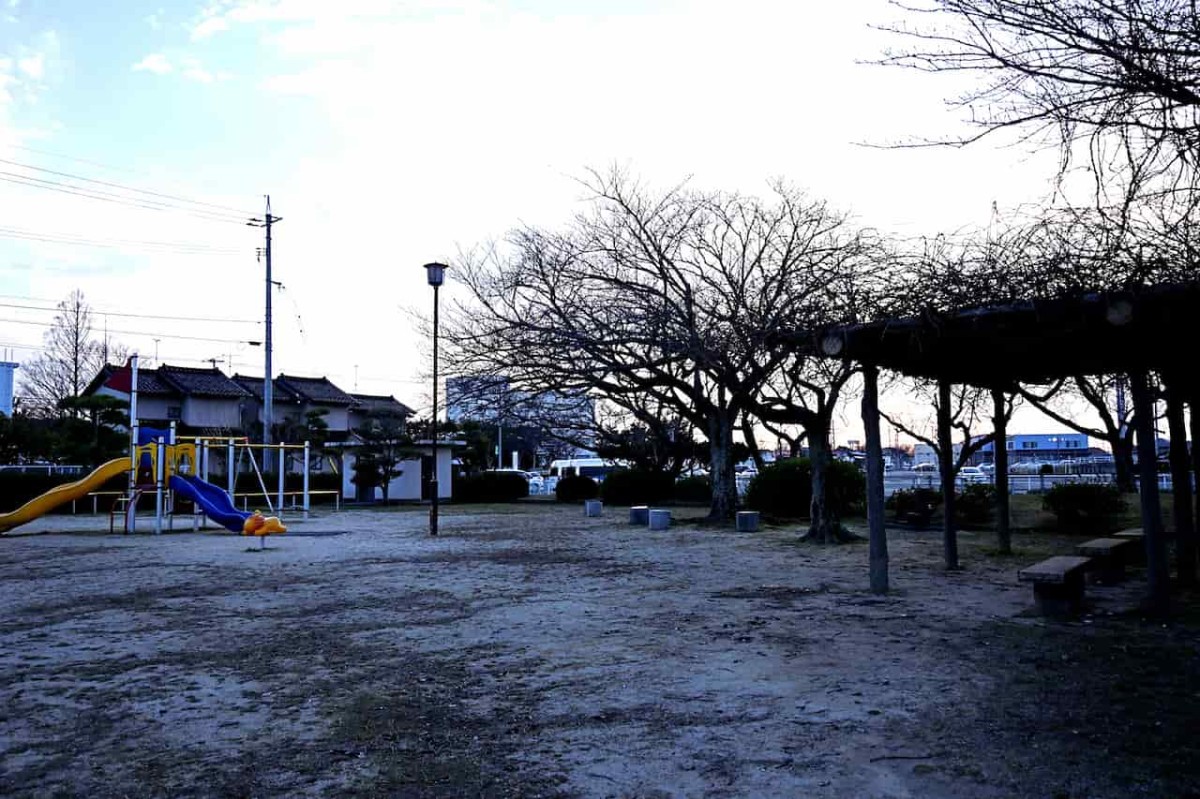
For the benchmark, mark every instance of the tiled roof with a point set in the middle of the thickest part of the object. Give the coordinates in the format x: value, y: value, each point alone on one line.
x: 316, y: 389
x: 376, y: 402
x: 254, y: 385
x: 149, y: 382
x: 199, y: 382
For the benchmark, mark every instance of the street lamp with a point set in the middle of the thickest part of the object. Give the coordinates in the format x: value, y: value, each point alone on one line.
x: 435, y: 273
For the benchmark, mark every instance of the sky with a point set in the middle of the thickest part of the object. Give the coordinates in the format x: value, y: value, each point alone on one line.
x: 390, y: 134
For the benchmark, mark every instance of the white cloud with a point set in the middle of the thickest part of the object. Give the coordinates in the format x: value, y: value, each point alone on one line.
x: 33, y: 66
x: 208, y: 26
x: 198, y: 74
x: 155, y: 62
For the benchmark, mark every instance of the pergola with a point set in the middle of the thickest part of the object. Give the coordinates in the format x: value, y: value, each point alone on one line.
x: 1133, y: 332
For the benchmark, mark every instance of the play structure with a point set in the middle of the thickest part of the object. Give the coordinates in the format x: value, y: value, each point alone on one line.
x: 171, y: 469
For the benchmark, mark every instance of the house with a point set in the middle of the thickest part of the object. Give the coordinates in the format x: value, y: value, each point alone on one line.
x: 294, y: 397
x: 367, y: 404
x: 200, y: 401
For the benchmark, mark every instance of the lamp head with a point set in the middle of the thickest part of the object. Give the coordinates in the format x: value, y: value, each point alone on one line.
x: 435, y: 273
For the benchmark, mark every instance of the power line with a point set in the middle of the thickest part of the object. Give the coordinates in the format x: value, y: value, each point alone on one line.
x: 154, y: 246
x: 169, y: 317
x: 133, y: 202
x: 122, y: 187
x: 149, y: 334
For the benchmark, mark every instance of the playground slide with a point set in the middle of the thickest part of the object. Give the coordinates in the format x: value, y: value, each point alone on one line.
x: 213, y: 500
x: 41, y: 505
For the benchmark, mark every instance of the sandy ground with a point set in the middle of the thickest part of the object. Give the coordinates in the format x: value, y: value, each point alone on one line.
x: 532, y: 652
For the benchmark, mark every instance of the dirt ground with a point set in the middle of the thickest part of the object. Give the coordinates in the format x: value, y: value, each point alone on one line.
x: 529, y: 651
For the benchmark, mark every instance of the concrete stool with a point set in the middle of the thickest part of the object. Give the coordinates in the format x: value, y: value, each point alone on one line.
x: 592, y: 507
x: 747, y: 521
x: 639, y: 514
x: 660, y: 519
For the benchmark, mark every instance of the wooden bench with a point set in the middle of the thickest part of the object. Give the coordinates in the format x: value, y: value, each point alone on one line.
x: 1057, y: 583
x: 1110, y: 556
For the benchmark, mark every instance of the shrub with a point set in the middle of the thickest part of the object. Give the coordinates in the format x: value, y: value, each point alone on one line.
x: 914, y: 505
x: 975, y: 503
x: 784, y: 488
x: 1083, y: 507
x: 636, y: 487
x: 576, y: 488
x: 490, y: 487
x: 694, y: 489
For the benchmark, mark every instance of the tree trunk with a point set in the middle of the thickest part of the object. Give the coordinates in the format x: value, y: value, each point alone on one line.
x: 1000, y: 472
x: 724, y: 484
x: 1122, y: 448
x: 946, y: 468
x: 824, y: 525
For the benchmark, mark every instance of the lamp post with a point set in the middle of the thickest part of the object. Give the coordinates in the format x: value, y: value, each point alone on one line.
x: 435, y: 273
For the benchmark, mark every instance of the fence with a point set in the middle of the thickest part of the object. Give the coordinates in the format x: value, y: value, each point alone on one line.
x: 1023, y: 483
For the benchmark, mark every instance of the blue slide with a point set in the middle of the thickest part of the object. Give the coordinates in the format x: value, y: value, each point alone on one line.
x: 211, y: 499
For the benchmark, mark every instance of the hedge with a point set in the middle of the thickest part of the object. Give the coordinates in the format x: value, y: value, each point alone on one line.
x: 975, y: 504
x: 1084, y: 507
x: 490, y: 487
x: 696, y: 490
x: 637, y: 487
x: 914, y: 505
x: 784, y: 489
x: 576, y: 488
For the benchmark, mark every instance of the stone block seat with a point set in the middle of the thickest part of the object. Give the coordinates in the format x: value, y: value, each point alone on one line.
x: 1057, y: 583
x: 1110, y: 556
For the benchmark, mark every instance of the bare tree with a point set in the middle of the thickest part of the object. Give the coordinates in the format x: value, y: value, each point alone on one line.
x: 970, y: 414
x: 70, y: 358
x: 1099, y: 392
x: 672, y: 298
x: 1070, y: 70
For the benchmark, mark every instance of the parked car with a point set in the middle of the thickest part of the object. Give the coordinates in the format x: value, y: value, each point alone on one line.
x: 972, y: 474
x: 925, y: 468
x: 536, y: 483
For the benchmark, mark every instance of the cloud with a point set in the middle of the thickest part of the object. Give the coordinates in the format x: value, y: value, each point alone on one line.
x: 33, y: 66
x: 208, y: 26
x: 155, y: 62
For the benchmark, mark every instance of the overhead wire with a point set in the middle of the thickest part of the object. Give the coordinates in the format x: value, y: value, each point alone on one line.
x: 133, y: 202
x: 146, y: 333
x: 181, y: 248
x: 174, y: 197
x: 170, y: 317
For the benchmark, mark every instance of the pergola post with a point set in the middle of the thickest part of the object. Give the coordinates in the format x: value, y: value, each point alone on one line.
x: 1000, y: 472
x: 1195, y: 428
x: 1152, y: 527
x: 875, y: 521
x: 946, y: 463
x: 1181, y: 489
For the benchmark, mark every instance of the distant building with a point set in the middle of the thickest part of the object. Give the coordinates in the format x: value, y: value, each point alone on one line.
x: 7, y: 368
x: 1038, y: 447
x: 1021, y: 447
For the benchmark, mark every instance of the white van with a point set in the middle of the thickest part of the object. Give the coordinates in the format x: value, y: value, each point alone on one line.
x: 595, y: 468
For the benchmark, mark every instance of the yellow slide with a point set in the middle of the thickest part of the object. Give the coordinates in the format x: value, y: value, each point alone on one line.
x: 39, y: 506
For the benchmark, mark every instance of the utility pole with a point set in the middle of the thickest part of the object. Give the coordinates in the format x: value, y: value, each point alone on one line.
x: 268, y: 384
